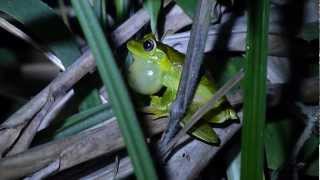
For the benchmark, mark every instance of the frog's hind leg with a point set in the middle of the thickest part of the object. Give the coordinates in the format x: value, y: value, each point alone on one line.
x: 156, y: 109
x: 201, y: 130
x: 204, y: 132
x: 221, y: 114
x: 159, y: 106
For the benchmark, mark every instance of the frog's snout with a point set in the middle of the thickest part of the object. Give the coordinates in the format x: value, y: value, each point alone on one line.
x: 129, y: 44
x: 132, y: 45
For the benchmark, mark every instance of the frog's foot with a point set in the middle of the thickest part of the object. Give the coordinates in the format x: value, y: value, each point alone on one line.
x: 217, y: 116
x: 204, y: 132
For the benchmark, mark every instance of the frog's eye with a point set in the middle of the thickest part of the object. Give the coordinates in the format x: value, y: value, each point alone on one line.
x: 148, y: 45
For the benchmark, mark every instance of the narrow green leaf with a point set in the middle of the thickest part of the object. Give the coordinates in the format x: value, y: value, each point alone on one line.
x: 40, y: 19
x: 121, y: 8
x: 188, y: 6
x: 280, y: 136
x: 91, y: 100
x: 81, y: 116
x: 310, y: 147
x: 312, y: 168
x: 81, y: 124
x: 119, y: 98
x: 224, y: 70
x: 255, y: 91
x: 101, y: 12
x: 153, y: 8
x: 310, y: 31
x: 310, y: 155
x: 7, y: 56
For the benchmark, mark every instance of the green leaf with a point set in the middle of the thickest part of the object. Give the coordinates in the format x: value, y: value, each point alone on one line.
x: 84, y: 120
x: 85, y: 114
x: 280, y: 137
x: 310, y: 155
x: 310, y: 31
x: 224, y: 69
x: 313, y: 168
x: 40, y: 19
x: 254, y: 110
x: 310, y: 147
x: 7, y: 56
x: 119, y: 98
x: 121, y: 8
x: 188, y: 6
x: 91, y: 100
x: 153, y: 8
x: 101, y: 12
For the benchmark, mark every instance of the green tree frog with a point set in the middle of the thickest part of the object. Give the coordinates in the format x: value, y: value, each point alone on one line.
x: 156, y: 66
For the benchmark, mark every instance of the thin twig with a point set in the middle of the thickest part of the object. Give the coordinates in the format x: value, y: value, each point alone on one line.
x: 116, y: 168
x: 29, y: 132
x: 55, y: 110
x: 12, y: 127
x: 191, y: 68
x: 42, y: 48
x: 312, y: 119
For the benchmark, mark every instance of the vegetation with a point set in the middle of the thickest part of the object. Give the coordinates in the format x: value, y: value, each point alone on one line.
x: 69, y: 111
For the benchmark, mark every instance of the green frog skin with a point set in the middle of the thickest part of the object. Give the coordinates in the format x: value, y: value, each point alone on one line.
x: 157, y: 65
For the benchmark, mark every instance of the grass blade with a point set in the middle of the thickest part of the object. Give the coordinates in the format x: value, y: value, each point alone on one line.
x: 119, y: 98
x: 153, y: 8
x: 121, y: 8
x: 83, y: 115
x: 255, y: 91
x: 82, y: 124
x: 188, y: 6
x: 100, y: 7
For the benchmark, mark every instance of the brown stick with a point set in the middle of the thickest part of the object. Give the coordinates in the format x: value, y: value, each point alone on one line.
x: 70, y: 151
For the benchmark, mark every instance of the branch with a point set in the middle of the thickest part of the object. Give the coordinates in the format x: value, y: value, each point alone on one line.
x: 12, y: 127
x: 191, y: 68
x: 71, y: 151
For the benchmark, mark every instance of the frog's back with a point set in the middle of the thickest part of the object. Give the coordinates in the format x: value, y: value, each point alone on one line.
x: 174, y: 56
x: 206, y: 88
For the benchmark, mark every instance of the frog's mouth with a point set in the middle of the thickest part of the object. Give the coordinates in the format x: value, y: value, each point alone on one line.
x: 132, y: 45
x: 135, y: 48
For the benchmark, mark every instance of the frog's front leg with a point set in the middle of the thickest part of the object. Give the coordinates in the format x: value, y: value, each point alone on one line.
x: 159, y: 106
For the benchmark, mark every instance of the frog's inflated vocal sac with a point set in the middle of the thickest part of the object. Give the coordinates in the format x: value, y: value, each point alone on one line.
x: 157, y: 65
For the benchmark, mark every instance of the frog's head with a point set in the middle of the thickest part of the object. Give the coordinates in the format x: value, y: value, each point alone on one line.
x: 146, y: 70
x: 147, y: 49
